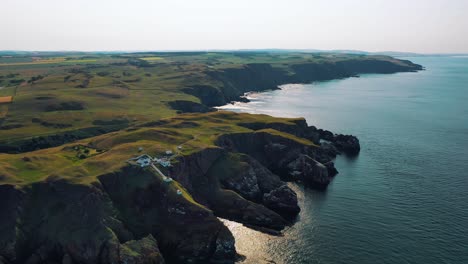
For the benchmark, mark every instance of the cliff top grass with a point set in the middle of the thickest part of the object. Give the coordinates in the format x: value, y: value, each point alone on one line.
x: 60, y: 92
x: 83, y: 161
x: 110, y: 105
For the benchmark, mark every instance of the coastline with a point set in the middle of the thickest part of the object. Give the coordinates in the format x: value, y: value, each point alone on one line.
x: 236, y: 168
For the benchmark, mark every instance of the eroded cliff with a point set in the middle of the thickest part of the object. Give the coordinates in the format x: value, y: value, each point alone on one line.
x: 99, y: 208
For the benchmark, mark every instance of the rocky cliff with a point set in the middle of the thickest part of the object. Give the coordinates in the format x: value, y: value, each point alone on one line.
x: 235, y: 82
x: 234, y: 166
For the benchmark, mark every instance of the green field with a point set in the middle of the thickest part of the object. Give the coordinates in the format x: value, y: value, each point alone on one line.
x: 71, y: 122
x: 68, y: 93
x: 63, y: 98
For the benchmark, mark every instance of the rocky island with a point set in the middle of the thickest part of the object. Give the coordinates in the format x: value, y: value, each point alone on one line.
x: 68, y: 193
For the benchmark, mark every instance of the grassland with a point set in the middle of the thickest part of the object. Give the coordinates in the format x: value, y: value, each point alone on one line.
x: 84, y: 160
x: 52, y: 99
x: 69, y: 123
x: 78, y: 91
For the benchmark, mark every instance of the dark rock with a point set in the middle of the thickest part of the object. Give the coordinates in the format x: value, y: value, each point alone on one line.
x: 326, y: 135
x: 310, y: 171
x: 245, y: 180
x: 332, y: 171
x: 208, y: 95
x: 243, y: 99
x: 186, y: 232
x: 11, y: 203
x: 143, y: 251
x: 282, y: 200
x: 326, y: 152
x: 235, y: 82
x: 347, y: 144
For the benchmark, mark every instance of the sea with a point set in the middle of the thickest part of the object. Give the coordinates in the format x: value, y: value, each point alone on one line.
x: 404, y: 199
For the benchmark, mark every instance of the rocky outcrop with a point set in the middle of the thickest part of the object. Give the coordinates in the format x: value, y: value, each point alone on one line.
x: 292, y: 160
x: 330, y: 144
x: 310, y: 171
x: 348, y: 144
x: 233, y: 186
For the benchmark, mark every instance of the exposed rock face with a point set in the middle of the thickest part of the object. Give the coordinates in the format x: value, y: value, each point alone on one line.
x: 282, y: 200
x: 10, y: 208
x: 330, y: 144
x: 208, y: 95
x: 290, y: 159
x: 89, y: 235
x: 152, y: 206
x: 119, y: 221
x: 229, y: 184
x: 132, y: 216
x: 310, y: 171
x: 234, y: 82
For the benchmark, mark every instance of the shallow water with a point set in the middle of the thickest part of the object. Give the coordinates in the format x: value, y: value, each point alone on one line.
x: 404, y: 199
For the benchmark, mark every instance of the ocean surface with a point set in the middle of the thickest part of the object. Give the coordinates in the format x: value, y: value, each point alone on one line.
x: 404, y: 199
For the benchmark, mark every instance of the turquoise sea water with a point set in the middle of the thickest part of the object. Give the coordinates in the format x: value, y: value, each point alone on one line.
x: 404, y: 199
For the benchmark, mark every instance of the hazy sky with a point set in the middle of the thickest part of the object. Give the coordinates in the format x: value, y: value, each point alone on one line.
x: 372, y: 25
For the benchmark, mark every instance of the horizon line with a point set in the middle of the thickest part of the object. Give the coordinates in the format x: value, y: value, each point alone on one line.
x: 240, y: 50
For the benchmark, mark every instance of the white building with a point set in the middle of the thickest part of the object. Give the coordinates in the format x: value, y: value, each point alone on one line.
x: 163, y: 162
x: 143, y: 160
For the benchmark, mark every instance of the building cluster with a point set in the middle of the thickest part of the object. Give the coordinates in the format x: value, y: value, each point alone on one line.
x: 146, y: 160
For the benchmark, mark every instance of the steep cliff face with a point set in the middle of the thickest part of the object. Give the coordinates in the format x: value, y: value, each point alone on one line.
x: 228, y: 165
x: 61, y: 222
x: 234, y: 82
x: 118, y: 221
x: 207, y: 174
x: 150, y: 205
x: 11, y: 200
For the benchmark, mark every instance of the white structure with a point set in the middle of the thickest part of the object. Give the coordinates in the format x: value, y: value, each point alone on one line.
x: 163, y: 162
x: 140, y: 149
x: 179, y: 192
x: 179, y: 147
x: 168, y: 152
x: 143, y: 160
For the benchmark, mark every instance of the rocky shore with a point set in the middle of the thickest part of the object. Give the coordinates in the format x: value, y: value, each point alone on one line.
x: 93, y: 207
x: 130, y: 215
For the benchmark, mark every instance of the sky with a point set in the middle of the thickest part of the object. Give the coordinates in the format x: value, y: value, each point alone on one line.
x: 422, y: 26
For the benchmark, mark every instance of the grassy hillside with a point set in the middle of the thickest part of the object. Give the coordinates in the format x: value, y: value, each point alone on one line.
x: 84, y: 160
x: 64, y: 94
x: 70, y: 122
